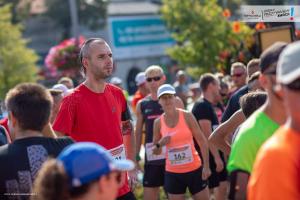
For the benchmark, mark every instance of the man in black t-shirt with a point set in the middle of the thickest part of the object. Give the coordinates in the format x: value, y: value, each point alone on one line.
x: 204, y: 112
x: 29, y: 108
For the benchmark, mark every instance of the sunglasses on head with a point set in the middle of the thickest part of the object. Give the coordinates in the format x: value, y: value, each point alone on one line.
x: 156, y: 78
x: 295, y: 85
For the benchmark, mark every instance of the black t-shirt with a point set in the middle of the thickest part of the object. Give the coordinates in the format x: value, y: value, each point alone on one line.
x: 204, y: 110
x: 21, y: 160
x: 234, y: 103
x: 151, y: 110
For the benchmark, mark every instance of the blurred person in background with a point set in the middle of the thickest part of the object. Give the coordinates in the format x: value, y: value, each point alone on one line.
x: 118, y: 82
x: 181, y: 87
x: 238, y: 75
x: 233, y: 104
x: 142, y: 90
x: 206, y: 117
x: 67, y: 82
x: 57, y: 96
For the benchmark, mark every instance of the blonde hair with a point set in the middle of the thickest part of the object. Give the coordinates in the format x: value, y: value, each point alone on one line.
x: 154, y: 68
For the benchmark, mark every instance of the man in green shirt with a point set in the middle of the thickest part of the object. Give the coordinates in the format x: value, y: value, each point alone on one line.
x: 258, y: 127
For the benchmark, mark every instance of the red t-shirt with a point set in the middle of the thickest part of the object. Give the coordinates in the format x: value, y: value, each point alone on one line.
x: 136, y: 98
x: 96, y: 117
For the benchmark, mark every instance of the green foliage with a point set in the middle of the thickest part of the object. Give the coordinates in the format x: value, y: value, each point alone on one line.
x: 91, y: 13
x: 202, y: 33
x: 17, y: 62
x: 19, y: 9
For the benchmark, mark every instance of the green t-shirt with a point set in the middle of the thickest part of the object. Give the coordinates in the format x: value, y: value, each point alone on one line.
x: 252, y: 134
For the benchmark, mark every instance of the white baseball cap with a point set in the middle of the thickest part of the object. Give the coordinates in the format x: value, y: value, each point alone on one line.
x: 165, y: 89
x: 63, y: 88
x: 140, y: 78
x: 288, y: 68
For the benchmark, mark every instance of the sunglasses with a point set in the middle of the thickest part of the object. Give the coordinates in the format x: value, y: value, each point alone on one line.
x: 237, y: 75
x: 156, y: 78
x: 166, y: 96
x: 295, y: 85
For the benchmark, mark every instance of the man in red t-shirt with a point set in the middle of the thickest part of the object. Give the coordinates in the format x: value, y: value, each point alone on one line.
x: 97, y: 111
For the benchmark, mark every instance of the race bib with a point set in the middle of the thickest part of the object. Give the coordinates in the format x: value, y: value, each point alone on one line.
x: 180, y: 155
x: 151, y: 156
x: 118, y: 152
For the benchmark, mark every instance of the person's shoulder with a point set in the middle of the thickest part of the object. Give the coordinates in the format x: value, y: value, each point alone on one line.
x: 64, y: 140
x: 4, y: 149
x: 145, y: 100
x: 113, y: 88
x: 75, y: 94
x: 240, y: 92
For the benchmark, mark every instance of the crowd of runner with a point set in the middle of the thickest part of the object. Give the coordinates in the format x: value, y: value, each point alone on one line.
x: 230, y: 136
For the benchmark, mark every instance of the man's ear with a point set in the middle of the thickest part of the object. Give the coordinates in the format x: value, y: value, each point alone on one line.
x: 278, y: 90
x: 12, y: 119
x: 103, y: 183
x: 263, y: 81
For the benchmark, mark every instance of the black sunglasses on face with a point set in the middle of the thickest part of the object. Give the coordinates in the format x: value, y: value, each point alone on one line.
x: 156, y: 78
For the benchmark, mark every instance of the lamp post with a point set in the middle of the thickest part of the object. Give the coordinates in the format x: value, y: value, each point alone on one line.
x: 74, y: 18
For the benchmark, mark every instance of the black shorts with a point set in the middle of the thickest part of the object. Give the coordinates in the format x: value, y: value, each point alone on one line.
x: 154, y: 175
x: 127, y: 196
x: 216, y: 177
x: 176, y: 183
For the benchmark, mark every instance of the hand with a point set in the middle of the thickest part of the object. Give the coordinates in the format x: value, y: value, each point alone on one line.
x: 132, y: 181
x: 156, y: 151
x: 205, y: 173
x: 219, y: 165
x: 165, y: 140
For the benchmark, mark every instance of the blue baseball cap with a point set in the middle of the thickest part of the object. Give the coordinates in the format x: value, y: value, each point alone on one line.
x: 165, y: 89
x: 88, y: 161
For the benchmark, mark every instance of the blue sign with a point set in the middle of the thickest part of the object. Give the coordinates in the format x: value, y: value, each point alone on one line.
x: 134, y: 32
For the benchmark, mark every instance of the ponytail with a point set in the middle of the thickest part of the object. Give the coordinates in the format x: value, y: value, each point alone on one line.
x: 51, y: 182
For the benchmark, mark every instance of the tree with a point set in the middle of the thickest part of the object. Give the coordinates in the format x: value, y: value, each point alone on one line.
x: 205, y: 39
x: 91, y: 13
x: 17, y: 62
x: 18, y: 8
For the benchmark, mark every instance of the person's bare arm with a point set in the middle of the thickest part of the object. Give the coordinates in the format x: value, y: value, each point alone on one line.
x: 238, y: 191
x: 157, y: 136
x: 138, y: 130
x: 218, y: 138
x: 201, y: 140
x: 206, y: 127
x: 129, y: 140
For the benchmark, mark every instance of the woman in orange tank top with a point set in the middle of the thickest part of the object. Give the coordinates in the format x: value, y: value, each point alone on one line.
x: 176, y: 129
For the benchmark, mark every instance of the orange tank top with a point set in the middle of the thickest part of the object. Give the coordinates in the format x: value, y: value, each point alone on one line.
x: 181, y: 155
